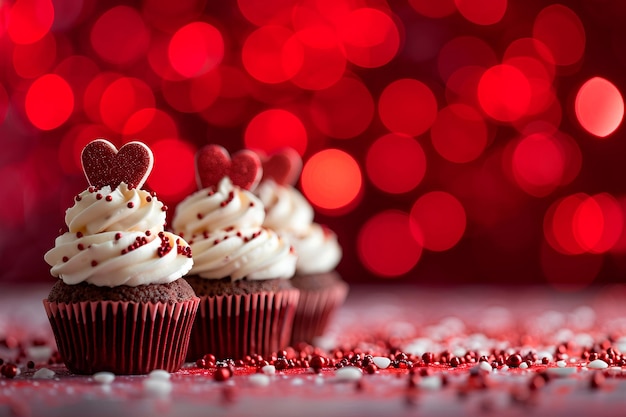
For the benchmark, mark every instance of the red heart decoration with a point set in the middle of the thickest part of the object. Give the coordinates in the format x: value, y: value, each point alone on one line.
x: 214, y: 163
x: 283, y: 166
x: 104, y: 165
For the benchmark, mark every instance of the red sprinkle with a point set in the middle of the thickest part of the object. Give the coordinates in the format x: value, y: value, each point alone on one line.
x: 79, y: 234
x: 94, y: 263
x: 65, y: 259
x: 130, y: 204
x: 81, y: 246
x: 118, y: 236
x: 109, y: 198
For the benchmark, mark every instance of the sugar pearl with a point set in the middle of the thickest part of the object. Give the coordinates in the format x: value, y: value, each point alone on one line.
x: 157, y: 387
x: 382, y: 362
x: 104, y: 377
x: 159, y: 374
x: 269, y: 369
x: 259, y: 380
x: 598, y: 364
x: 44, y: 373
x: 349, y: 373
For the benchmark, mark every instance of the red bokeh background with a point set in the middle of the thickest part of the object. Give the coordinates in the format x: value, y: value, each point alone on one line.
x: 445, y: 142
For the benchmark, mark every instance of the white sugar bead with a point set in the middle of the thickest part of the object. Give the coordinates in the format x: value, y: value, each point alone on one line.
x: 104, y: 377
x: 259, y: 380
x: 598, y: 364
x: 159, y: 374
x: 44, y: 373
x: 349, y: 373
x: 382, y: 362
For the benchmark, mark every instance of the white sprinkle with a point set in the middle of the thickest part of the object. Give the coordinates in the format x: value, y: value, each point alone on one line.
x: 159, y: 374
x: 297, y: 381
x: 157, y: 387
x: 598, y: 364
x: 269, y: 369
x: 523, y: 365
x: 259, y: 380
x: 104, y: 377
x: 561, y: 364
x: 504, y: 368
x: 484, y: 366
x: 44, y: 373
x: 432, y: 382
x: 319, y: 380
x: 382, y: 362
x: 348, y: 373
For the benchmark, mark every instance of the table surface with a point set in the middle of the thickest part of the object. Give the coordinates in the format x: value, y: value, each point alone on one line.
x: 416, y: 319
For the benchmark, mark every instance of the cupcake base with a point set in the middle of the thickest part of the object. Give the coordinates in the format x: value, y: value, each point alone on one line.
x: 123, y: 337
x: 239, y: 318
x: 320, y: 297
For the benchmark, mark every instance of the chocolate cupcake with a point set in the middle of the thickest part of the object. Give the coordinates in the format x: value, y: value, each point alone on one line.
x: 119, y: 304
x: 322, y: 291
x: 241, y: 270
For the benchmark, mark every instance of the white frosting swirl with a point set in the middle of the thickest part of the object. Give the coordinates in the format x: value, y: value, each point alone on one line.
x: 288, y: 212
x: 116, y: 237
x: 224, y: 228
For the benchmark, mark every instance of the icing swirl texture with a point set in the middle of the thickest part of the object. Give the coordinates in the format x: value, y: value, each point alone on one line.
x: 288, y: 212
x: 116, y: 237
x: 224, y: 226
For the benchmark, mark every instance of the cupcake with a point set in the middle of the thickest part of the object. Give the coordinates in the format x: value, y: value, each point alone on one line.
x: 241, y: 269
x: 119, y: 304
x: 322, y: 290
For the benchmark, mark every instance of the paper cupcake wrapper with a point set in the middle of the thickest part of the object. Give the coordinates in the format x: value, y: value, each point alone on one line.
x: 233, y: 326
x: 122, y: 337
x: 315, y: 310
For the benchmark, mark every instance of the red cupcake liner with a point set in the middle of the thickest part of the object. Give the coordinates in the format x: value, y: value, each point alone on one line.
x: 315, y: 310
x: 126, y: 338
x: 233, y: 326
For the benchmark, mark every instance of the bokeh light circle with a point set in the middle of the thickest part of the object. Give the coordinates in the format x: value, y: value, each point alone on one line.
x: 266, y: 12
x: 482, y: 12
x: 323, y: 61
x: 49, y: 102
x: 459, y: 133
x: 274, y: 129
x: 407, y: 106
x: 35, y: 59
x: 331, y: 179
x: 196, y: 49
x: 369, y: 36
x: 504, y: 93
x: 149, y: 125
x: 386, y: 246
x: 599, y: 107
x: 396, y: 163
x: 167, y: 154
x: 439, y: 219
x: 433, y: 9
x: 123, y: 97
x: 29, y: 20
x: 538, y: 164
x: 120, y: 36
x: 269, y: 56
x: 343, y: 110
x: 464, y: 51
x: 560, y: 29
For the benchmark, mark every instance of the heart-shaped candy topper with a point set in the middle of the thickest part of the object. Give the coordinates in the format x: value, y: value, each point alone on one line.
x: 104, y: 165
x: 214, y: 163
x: 283, y: 166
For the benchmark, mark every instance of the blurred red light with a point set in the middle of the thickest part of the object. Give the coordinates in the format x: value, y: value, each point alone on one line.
x: 343, y: 110
x: 93, y: 94
x: 172, y: 155
x: 168, y: 15
x: 30, y: 20
x: 558, y: 224
x: 49, y: 102
x: 324, y: 62
x: 407, y: 106
x: 439, y: 219
x: 35, y: 59
x: 560, y: 29
x: 196, y: 49
x: 120, y: 36
x: 599, y: 107
x: 79, y: 71
x: 193, y: 94
x: 4, y: 103
x: 482, y: 12
x: 538, y: 164
x: 331, y: 179
x: 462, y: 85
x: 273, y: 129
x: 149, y: 125
x: 385, y: 245
x: 121, y: 99
x: 73, y: 143
x: 270, y: 54
x: 504, y: 93
x: 459, y: 133
x: 396, y: 163
x: 370, y: 37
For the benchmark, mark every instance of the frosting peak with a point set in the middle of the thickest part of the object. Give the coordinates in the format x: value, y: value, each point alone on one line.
x: 116, y: 237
